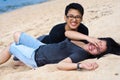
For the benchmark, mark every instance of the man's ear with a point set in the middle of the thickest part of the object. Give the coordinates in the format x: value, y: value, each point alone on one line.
x: 65, y: 18
x: 81, y: 19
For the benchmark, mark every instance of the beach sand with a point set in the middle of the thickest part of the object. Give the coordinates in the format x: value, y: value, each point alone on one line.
x: 101, y: 17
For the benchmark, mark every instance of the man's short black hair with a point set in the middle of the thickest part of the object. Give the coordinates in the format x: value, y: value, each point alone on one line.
x: 74, y: 6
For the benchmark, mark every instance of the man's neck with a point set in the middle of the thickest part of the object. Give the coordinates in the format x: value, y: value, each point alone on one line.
x: 67, y: 28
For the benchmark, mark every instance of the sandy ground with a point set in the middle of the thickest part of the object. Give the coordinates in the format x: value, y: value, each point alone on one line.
x: 102, y: 18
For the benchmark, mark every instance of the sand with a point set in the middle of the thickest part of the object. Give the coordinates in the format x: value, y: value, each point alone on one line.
x: 102, y: 18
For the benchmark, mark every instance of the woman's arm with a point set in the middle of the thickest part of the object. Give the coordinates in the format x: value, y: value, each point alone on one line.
x: 67, y: 64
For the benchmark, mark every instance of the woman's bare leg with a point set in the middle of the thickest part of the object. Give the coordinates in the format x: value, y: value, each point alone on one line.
x: 16, y: 37
x: 5, y: 55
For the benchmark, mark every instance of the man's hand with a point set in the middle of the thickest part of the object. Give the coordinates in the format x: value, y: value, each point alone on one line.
x: 94, y: 41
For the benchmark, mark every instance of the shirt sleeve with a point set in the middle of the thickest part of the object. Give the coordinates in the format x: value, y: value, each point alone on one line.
x: 57, y: 34
x: 83, y: 29
x: 79, y: 56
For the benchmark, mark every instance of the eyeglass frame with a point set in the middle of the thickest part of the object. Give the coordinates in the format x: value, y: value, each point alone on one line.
x: 74, y: 17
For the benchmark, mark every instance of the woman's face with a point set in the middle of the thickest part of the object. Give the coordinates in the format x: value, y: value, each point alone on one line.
x: 92, y: 49
x: 73, y: 19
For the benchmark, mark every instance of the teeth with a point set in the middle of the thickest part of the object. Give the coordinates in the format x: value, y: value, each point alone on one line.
x: 91, y: 47
x: 73, y: 23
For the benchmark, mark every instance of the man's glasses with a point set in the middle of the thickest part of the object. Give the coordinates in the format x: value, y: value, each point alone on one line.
x: 74, y: 17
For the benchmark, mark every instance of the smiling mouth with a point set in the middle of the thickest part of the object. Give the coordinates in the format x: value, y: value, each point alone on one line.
x: 73, y: 23
x: 91, y: 47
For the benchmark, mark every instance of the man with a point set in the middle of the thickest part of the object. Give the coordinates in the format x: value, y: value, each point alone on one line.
x: 73, y: 17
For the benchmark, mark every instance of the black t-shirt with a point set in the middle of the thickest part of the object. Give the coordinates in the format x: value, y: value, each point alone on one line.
x: 53, y: 53
x: 57, y: 34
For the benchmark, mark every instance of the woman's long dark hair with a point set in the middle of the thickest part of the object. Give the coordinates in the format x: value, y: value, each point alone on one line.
x: 112, y: 47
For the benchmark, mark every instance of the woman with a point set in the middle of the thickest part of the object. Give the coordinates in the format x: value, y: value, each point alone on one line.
x: 67, y: 53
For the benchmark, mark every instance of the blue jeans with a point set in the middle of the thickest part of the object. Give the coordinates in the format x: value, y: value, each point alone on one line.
x: 25, y: 49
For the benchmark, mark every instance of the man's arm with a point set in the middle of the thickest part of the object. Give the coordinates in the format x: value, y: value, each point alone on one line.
x: 67, y: 64
x: 74, y: 35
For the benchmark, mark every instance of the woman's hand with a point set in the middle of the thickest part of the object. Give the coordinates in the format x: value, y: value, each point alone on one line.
x: 89, y: 66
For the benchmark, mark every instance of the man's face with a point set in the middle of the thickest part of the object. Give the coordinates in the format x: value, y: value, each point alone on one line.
x: 73, y: 19
x: 92, y: 49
